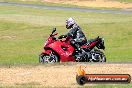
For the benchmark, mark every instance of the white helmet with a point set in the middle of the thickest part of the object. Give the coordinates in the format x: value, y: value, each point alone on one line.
x: 70, y: 22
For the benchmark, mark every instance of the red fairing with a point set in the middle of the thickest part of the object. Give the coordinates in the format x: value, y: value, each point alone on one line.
x: 49, y: 41
x: 46, y: 52
x: 65, y: 55
x: 62, y: 48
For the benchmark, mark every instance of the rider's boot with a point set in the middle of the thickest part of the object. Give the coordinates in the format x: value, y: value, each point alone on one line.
x: 81, y: 53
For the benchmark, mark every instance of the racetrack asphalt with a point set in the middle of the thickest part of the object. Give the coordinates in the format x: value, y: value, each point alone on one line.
x: 119, y: 11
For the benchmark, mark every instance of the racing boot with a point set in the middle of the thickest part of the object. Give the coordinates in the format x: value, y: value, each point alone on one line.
x: 82, y: 55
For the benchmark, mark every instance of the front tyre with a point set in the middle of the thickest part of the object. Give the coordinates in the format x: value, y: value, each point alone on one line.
x: 45, y: 58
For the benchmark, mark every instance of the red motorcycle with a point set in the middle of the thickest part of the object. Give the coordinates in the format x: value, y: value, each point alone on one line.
x: 60, y: 50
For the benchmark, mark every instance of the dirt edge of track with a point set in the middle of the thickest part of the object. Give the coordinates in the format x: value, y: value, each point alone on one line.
x: 55, y: 75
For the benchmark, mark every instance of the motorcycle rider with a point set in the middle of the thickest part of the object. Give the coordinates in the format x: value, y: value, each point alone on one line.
x: 77, y: 37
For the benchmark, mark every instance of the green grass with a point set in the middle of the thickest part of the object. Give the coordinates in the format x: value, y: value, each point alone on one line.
x: 128, y: 1
x: 36, y: 85
x: 112, y: 86
x: 24, y: 30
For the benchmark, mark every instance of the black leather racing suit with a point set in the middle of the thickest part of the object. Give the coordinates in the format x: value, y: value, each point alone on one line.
x: 77, y: 37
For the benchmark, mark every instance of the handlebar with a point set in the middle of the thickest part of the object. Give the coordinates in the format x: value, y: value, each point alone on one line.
x: 62, y: 36
x: 54, y: 34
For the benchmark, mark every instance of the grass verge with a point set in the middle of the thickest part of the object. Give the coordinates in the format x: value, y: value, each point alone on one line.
x: 23, y: 31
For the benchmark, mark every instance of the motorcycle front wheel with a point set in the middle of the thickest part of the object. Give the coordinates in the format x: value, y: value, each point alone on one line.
x: 45, y: 58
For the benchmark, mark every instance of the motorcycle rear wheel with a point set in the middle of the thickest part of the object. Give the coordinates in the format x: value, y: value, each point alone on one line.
x: 45, y: 58
x: 101, y: 57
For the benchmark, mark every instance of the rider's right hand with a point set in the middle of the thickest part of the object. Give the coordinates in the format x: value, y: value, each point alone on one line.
x: 62, y: 36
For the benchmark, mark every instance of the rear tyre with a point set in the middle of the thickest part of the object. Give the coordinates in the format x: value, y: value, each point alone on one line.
x: 98, y: 56
x: 45, y: 58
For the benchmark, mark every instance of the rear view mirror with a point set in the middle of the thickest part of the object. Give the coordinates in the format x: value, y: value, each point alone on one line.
x: 54, y: 29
